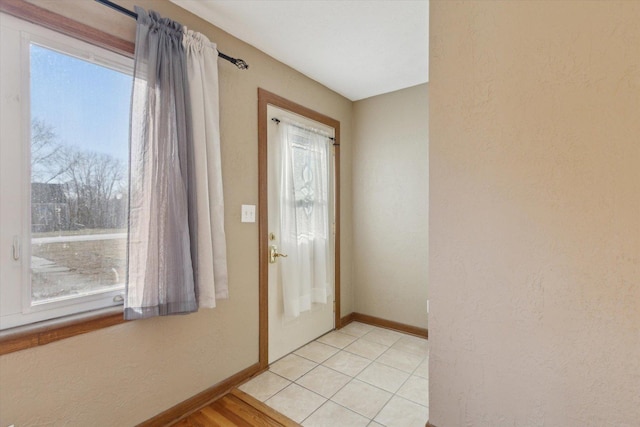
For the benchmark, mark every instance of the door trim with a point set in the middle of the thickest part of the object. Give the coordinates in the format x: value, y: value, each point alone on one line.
x: 267, y: 98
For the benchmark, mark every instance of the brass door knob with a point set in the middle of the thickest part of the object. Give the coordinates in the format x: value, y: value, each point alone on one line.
x: 273, y: 254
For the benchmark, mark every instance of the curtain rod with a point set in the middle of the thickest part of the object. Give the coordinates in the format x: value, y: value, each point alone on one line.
x: 277, y: 121
x: 235, y: 61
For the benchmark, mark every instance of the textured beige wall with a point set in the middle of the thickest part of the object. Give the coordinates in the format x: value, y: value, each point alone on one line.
x: 125, y: 374
x: 534, y: 213
x: 390, y: 204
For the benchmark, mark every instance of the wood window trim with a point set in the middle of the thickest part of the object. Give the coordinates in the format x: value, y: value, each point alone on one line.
x: 53, y: 21
x: 266, y: 98
x: 41, y: 333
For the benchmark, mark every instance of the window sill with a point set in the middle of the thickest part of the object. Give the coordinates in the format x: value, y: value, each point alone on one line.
x: 41, y: 333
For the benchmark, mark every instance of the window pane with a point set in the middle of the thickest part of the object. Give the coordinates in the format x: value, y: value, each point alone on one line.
x: 79, y: 178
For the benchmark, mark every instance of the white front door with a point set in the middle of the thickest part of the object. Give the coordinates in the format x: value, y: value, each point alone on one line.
x: 309, y: 314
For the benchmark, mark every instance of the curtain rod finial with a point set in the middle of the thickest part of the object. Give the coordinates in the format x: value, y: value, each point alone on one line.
x: 241, y: 64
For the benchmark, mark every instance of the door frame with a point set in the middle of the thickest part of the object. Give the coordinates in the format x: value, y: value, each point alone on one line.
x: 268, y: 98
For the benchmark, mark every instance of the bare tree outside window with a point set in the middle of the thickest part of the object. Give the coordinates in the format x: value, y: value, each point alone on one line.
x: 79, y: 190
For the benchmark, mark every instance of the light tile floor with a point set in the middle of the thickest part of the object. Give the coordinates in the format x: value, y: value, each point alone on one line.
x: 361, y: 375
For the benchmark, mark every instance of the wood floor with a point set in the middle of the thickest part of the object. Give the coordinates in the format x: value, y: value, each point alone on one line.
x: 236, y: 409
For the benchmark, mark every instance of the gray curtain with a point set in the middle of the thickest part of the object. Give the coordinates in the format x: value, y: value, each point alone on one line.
x: 162, y: 223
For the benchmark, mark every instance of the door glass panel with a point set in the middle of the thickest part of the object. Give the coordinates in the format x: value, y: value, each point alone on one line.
x: 310, y: 172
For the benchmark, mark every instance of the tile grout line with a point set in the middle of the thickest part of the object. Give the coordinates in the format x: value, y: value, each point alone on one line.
x: 351, y: 378
x: 395, y: 394
x: 354, y: 377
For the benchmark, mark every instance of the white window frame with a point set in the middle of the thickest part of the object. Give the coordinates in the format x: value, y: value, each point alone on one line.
x: 16, y: 307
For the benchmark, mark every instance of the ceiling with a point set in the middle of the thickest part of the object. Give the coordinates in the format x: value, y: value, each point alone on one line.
x: 358, y: 48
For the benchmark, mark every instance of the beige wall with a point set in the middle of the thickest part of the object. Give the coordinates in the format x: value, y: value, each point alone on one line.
x: 125, y: 374
x: 390, y: 204
x: 534, y: 213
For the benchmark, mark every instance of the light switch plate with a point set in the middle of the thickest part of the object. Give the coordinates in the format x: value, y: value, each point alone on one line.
x: 248, y: 213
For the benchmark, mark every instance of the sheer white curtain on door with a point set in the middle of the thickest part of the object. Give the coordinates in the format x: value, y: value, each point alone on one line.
x: 303, y: 184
